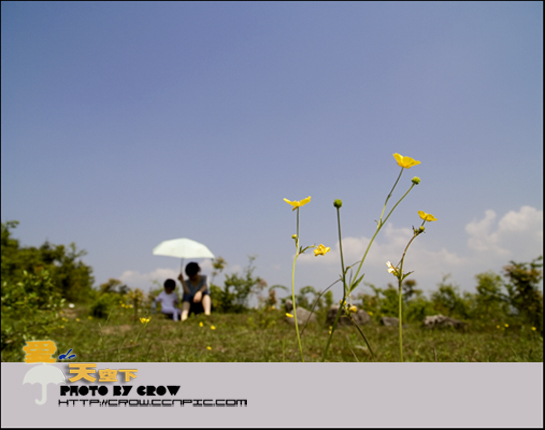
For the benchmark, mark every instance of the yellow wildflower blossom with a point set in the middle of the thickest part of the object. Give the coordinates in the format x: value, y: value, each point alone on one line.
x: 289, y: 315
x: 200, y: 324
x: 145, y: 320
x: 321, y: 250
x: 426, y: 217
x: 296, y: 204
x: 209, y: 348
x: 212, y: 327
x: 405, y: 162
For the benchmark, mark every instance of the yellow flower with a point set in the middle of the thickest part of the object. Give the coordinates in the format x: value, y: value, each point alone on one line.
x: 426, y: 217
x: 90, y: 317
x: 212, y: 327
x: 405, y: 162
x: 497, y: 326
x: 289, y: 315
x: 370, y: 313
x: 321, y: 250
x: 209, y: 348
x: 391, y: 269
x: 200, y: 324
x: 297, y: 204
x: 145, y: 320
x: 353, y: 309
x: 506, y: 325
x: 533, y: 328
x: 77, y: 319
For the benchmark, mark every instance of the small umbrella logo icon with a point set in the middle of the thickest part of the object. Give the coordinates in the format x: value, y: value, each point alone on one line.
x: 44, y: 374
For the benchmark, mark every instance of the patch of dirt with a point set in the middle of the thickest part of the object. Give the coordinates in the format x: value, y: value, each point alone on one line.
x: 68, y: 313
x: 113, y: 329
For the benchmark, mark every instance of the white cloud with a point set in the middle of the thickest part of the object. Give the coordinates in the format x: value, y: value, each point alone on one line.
x: 517, y: 234
x: 144, y: 281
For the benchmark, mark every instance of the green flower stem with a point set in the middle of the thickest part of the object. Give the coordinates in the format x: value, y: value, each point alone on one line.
x: 293, y: 288
x: 140, y: 332
x: 344, y: 288
x: 363, y: 336
x: 400, y: 278
x: 400, y: 325
x: 341, y: 248
x: 379, y: 226
x: 390, y: 193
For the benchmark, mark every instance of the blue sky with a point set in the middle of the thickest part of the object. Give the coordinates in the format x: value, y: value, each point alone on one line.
x: 125, y: 124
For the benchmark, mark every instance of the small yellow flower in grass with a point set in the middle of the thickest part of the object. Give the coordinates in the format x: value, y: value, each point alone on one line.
x: 321, y: 250
x: 212, y: 327
x: 145, y: 320
x: 497, y: 326
x: 533, y: 328
x: 201, y: 324
x: 289, y: 315
x: 506, y: 325
x: 77, y: 319
x: 426, y: 217
x: 209, y: 348
x: 90, y: 317
x: 296, y: 204
x: 370, y: 313
x: 405, y: 162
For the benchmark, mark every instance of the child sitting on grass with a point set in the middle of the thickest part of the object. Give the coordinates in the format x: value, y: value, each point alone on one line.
x: 196, y: 291
x: 169, y: 300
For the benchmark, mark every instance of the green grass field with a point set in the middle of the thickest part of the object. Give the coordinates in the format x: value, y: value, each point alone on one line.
x: 266, y: 336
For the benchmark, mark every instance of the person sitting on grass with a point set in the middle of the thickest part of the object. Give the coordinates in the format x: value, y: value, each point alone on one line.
x: 169, y: 300
x: 195, y: 291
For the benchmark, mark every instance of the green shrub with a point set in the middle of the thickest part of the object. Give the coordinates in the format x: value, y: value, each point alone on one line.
x: 30, y: 310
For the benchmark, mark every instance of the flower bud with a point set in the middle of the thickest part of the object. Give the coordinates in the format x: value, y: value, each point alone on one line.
x: 294, y: 236
x: 338, y: 203
x: 353, y: 309
x: 421, y: 228
x: 415, y: 180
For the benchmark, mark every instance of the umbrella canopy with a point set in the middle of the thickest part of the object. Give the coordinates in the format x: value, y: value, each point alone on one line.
x: 44, y: 374
x: 182, y: 248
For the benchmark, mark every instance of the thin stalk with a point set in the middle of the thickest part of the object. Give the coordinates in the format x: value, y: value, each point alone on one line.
x: 400, y: 278
x: 293, y: 288
x: 390, y: 194
x: 381, y: 223
x: 344, y: 289
x: 363, y: 335
x: 400, y: 327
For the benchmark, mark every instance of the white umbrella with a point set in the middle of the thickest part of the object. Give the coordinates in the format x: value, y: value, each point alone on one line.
x: 44, y: 374
x: 182, y: 248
